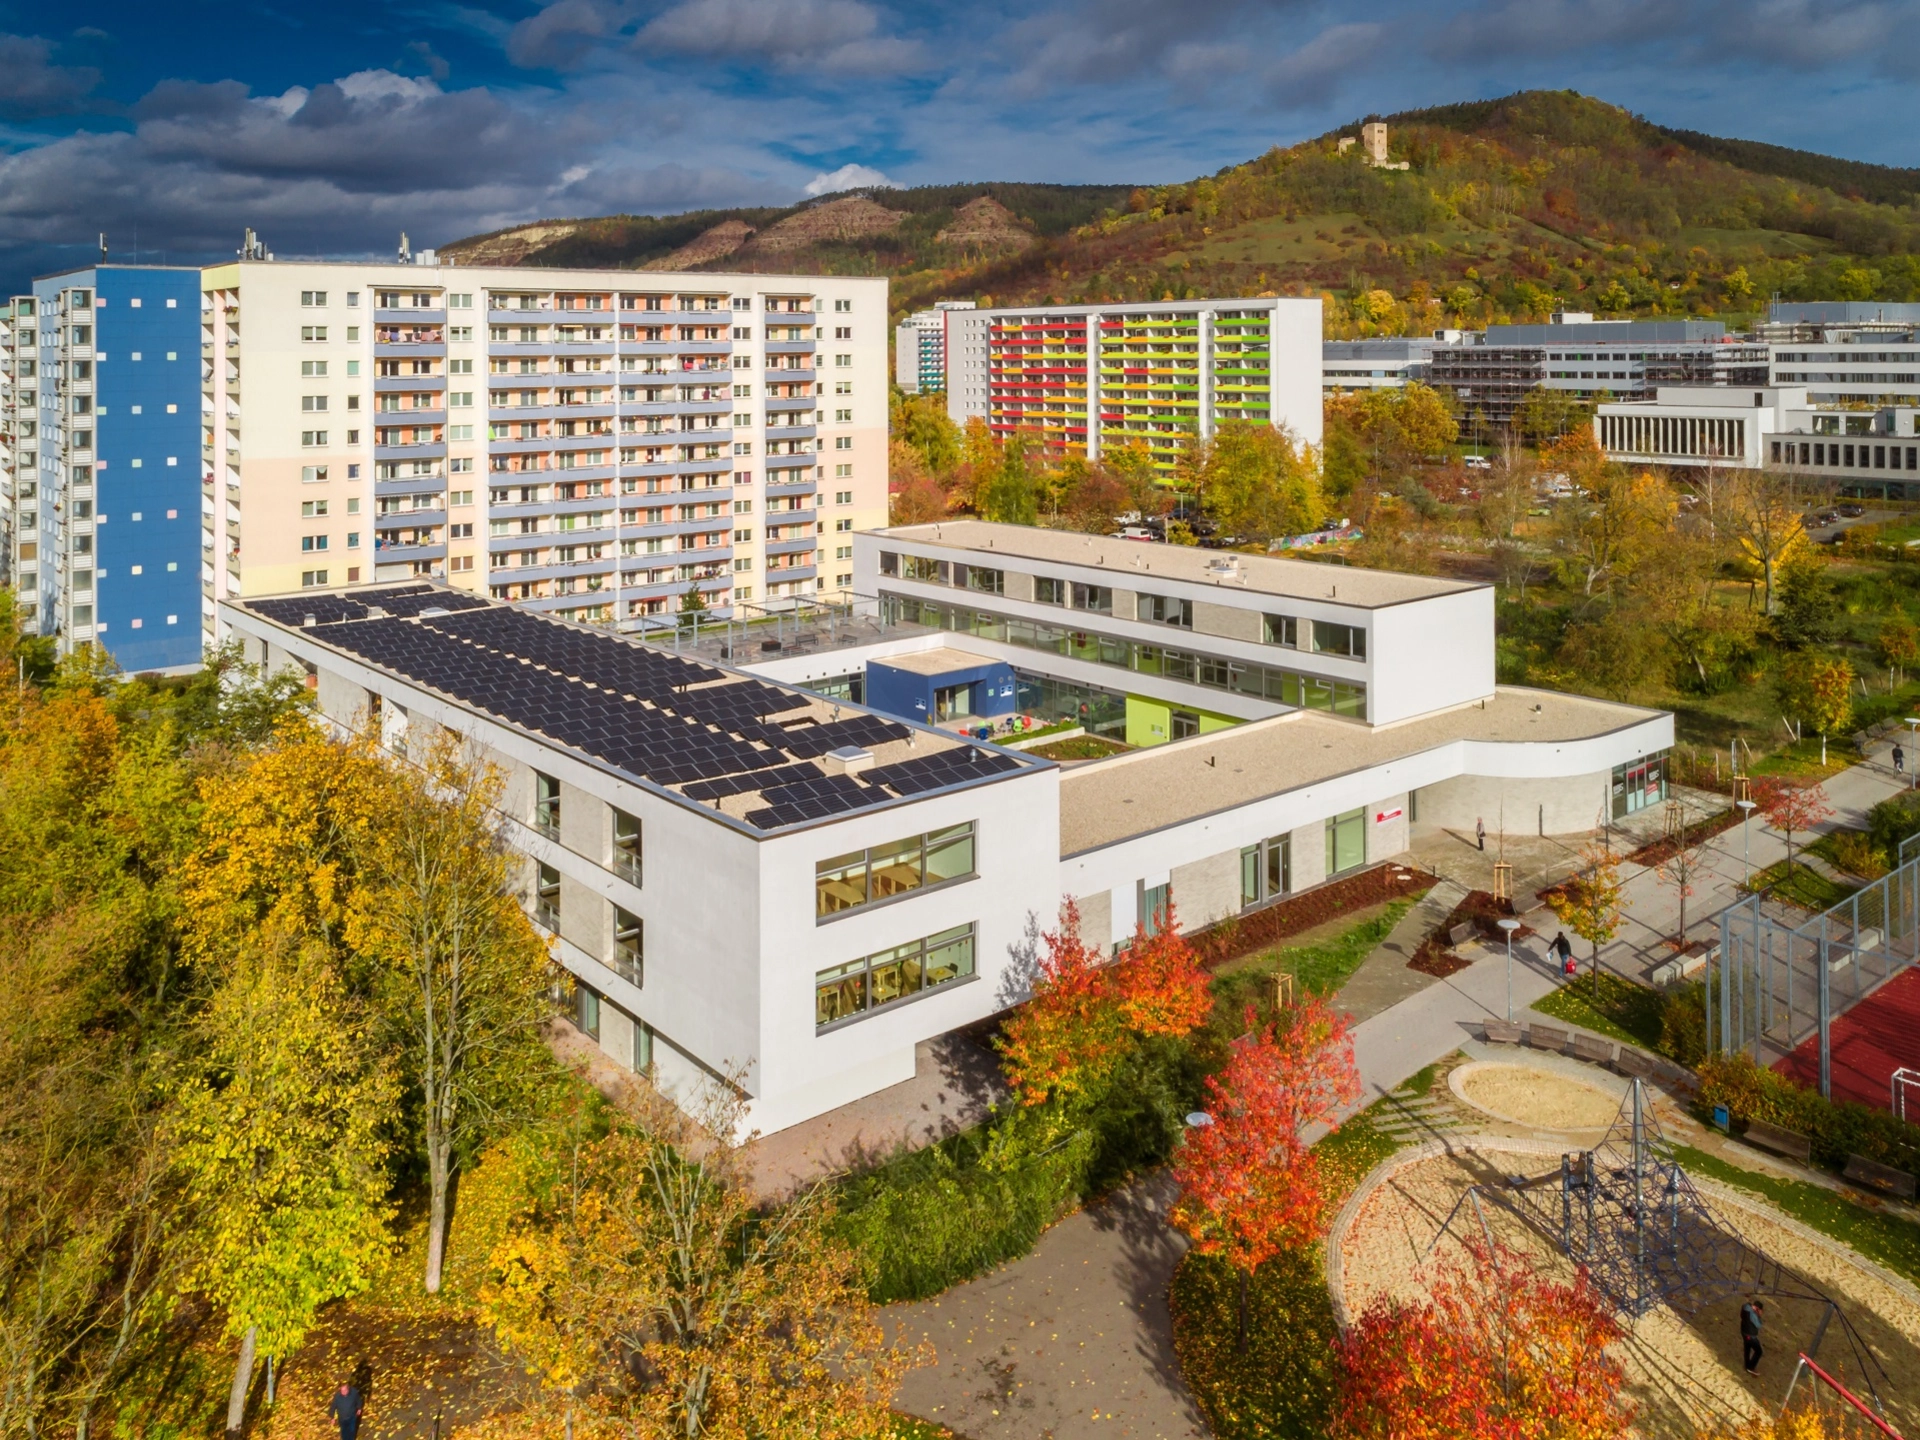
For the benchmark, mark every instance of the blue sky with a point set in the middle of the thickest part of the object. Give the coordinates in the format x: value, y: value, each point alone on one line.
x: 173, y: 124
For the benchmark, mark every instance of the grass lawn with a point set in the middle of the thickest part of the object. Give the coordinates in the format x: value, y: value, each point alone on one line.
x: 1805, y: 887
x: 1892, y: 1241
x: 1077, y: 747
x: 1320, y: 968
x: 1610, y: 1006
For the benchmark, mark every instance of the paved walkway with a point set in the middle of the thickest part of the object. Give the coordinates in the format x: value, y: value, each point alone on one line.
x: 1383, y: 979
x: 1075, y: 1341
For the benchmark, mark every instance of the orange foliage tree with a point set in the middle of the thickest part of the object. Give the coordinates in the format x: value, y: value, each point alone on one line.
x: 1498, y: 1353
x: 1250, y: 1184
x: 1086, y: 1012
x: 1790, y: 809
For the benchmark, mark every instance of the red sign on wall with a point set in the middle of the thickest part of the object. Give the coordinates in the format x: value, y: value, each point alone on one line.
x: 1381, y: 817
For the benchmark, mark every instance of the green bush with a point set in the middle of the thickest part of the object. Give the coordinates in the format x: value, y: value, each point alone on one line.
x: 935, y: 1217
x: 1282, y: 1384
x: 1893, y: 820
x: 1683, y: 1024
x: 1837, y: 1129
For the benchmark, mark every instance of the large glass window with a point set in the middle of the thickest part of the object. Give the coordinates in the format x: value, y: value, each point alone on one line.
x: 1283, y: 630
x: 1153, y: 908
x: 1164, y: 610
x: 1638, y: 784
x: 1332, y: 639
x: 1097, y: 598
x: 847, y: 882
x: 1048, y: 591
x: 629, y: 950
x: 626, y: 846
x: 546, y: 898
x: 546, y: 805
x: 1347, y: 841
x: 586, y: 1009
x: 1266, y: 870
x: 989, y: 582
x: 916, y: 567
x: 898, y: 973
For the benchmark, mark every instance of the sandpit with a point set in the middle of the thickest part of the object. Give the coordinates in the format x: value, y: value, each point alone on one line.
x: 1530, y: 1095
x: 1682, y: 1373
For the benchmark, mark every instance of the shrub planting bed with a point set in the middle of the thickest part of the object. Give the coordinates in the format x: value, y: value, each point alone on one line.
x: 1435, y: 955
x: 1659, y: 851
x: 1244, y: 934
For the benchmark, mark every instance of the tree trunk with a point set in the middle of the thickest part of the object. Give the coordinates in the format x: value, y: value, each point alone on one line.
x: 1244, y: 1282
x: 439, y: 1163
x: 242, y: 1382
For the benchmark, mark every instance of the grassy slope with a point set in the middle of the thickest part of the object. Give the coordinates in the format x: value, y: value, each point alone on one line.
x: 1512, y: 207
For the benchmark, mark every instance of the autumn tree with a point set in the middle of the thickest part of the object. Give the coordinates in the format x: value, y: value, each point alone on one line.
x: 1680, y: 867
x: 1601, y: 534
x: 1496, y: 1352
x: 460, y: 971
x: 280, y: 1137
x: 1809, y: 613
x: 1588, y: 902
x: 1791, y: 809
x: 1898, y: 643
x: 1249, y: 1181
x: 1764, y: 515
x: 921, y: 423
x: 1545, y: 415
x: 1255, y: 482
x: 1093, y: 498
x: 913, y: 496
x: 1010, y: 492
x: 1816, y: 691
x: 1087, y: 1011
x: 979, y: 464
x: 651, y: 1284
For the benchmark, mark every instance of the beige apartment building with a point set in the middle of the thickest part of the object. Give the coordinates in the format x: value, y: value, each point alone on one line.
x: 592, y: 443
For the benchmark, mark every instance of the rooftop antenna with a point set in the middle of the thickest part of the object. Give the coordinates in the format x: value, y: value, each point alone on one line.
x: 252, y: 248
x: 103, y: 247
x: 406, y: 250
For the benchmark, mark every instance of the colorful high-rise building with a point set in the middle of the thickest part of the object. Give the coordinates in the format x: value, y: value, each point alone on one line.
x: 920, y: 348
x: 103, y: 461
x: 1093, y: 378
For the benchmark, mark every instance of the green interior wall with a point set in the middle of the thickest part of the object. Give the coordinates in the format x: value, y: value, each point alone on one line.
x: 1150, y: 722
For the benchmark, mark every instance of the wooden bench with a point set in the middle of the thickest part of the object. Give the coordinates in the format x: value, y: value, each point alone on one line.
x: 1464, y: 933
x: 1502, y: 1032
x: 1632, y: 1062
x: 1547, y: 1037
x: 1781, y: 1142
x: 1880, y: 1177
x: 1590, y: 1047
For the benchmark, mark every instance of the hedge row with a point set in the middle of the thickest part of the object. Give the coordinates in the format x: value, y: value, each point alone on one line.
x: 1837, y: 1129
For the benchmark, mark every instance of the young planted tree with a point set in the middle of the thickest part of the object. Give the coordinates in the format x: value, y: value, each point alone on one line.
x: 1249, y: 1182
x: 1681, y: 869
x: 1899, y: 645
x: 1497, y: 1353
x: 461, y: 972
x: 279, y: 1137
x: 1790, y: 809
x: 1588, y: 902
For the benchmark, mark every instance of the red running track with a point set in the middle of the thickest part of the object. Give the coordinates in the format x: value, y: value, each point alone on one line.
x: 1876, y: 1036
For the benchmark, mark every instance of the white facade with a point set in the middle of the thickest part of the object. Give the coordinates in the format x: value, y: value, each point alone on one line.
x: 596, y: 443
x: 920, y: 348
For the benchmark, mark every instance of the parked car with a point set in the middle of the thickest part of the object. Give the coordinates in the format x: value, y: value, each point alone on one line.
x: 1477, y: 462
x: 1852, y: 512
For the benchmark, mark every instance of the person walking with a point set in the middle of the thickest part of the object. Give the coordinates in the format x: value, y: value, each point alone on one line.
x: 1480, y: 833
x: 1563, y: 948
x: 1899, y: 761
x: 1750, y: 1352
x: 345, y: 1410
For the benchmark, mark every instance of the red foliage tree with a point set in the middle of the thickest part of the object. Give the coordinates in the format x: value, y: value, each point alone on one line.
x: 1250, y: 1185
x: 1497, y: 1353
x: 1790, y: 809
x: 1086, y: 1012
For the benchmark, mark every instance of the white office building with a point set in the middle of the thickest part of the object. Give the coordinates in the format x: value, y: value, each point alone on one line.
x: 747, y: 872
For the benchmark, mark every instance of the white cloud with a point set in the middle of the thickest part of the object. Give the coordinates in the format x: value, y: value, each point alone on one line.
x: 834, y: 36
x: 849, y: 177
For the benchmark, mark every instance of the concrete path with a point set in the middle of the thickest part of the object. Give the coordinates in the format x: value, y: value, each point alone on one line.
x: 1383, y: 979
x: 1075, y: 1340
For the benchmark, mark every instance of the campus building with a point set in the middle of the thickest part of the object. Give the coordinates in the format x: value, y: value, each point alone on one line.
x: 1862, y: 451
x: 747, y: 874
x: 101, y: 457
x: 920, y: 349
x: 1091, y: 378
x: 1588, y: 359
x: 1381, y: 364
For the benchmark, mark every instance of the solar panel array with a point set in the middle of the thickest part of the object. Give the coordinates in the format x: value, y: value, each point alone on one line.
x: 653, y: 714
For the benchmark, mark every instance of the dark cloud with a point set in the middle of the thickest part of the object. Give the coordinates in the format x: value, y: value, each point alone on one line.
x: 561, y: 35
x: 32, y: 87
x: 839, y: 37
x: 424, y: 56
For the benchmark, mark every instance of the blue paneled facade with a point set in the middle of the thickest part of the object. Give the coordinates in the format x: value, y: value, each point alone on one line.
x: 130, y: 504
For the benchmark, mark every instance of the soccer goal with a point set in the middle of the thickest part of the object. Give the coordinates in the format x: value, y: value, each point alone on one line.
x: 1906, y: 1091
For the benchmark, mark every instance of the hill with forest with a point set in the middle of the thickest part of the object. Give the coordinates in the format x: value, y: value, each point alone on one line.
x: 1508, y: 210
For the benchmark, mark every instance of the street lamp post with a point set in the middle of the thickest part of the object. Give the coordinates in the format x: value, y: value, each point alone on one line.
x: 1509, y: 925
x: 1746, y: 855
x: 1913, y: 732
